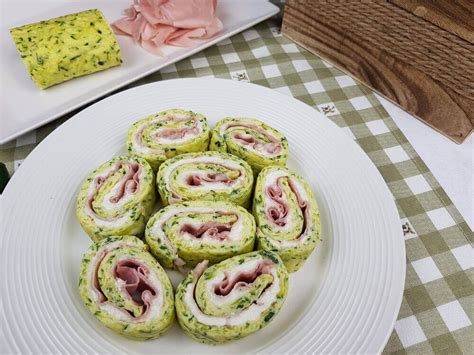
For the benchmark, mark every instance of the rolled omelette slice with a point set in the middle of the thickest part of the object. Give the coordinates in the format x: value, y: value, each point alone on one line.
x: 287, y: 216
x: 208, y: 176
x: 167, y: 134
x: 254, y: 141
x: 232, y: 299
x: 117, y: 198
x: 126, y: 289
x: 66, y: 47
x: 190, y: 232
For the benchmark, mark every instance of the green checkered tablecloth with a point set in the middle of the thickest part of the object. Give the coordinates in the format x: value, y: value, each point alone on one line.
x: 437, y: 310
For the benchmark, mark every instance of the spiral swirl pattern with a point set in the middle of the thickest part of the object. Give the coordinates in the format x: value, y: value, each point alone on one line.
x: 207, y: 176
x: 232, y: 299
x: 256, y: 142
x: 287, y: 216
x: 126, y: 289
x: 117, y: 198
x: 190, y: 232
x: 166, y: 134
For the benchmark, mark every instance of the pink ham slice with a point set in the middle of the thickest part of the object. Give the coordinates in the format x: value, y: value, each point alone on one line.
x: 194, y: 129
x: 196, y: 180
x: 137, y: 285
x: 215, y: 230
x: 95, y: 281
x: 302, y: 203
x: 255, y: 144
x: 272, y: 147
x: 154, y: 23
x: 177, y: 133
x: 241, y: 279
x: 279, y: 213
x: 128, y: 184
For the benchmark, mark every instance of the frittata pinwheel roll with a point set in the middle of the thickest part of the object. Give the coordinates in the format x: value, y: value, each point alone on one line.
x: 232, y: 299
x: 190, y: 232
x: 117, y: 198
x: 287, y: 216
x: 208, y: 176
x: 66, y: 47
x: 166, y: 134
x: 126, y: 289
x: 254, y: 141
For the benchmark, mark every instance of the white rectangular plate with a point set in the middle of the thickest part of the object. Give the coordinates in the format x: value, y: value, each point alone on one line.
x: 25, y: 107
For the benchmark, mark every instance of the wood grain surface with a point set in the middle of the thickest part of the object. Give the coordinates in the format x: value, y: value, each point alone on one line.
x: 455, y: 16
x: 420, y: 66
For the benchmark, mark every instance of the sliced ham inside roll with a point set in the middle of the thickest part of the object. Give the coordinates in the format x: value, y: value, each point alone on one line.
x: 166, y: 134
x: 116, y: 198
x: 206, y: 176
x: 126, y: 289
x: 232, y: 299
x: 287, y: 216
x: 254, y: 141
x: 185, y: 234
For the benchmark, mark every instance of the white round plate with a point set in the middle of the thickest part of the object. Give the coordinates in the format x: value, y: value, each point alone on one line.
x: 344, y: 300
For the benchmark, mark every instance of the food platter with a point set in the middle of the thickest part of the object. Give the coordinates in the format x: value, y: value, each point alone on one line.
x: 344, y: 299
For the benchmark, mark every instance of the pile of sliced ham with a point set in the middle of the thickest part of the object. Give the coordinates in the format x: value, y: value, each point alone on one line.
x: 154, y: 23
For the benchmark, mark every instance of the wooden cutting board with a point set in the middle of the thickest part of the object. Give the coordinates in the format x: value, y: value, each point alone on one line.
x: 419, y: 53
